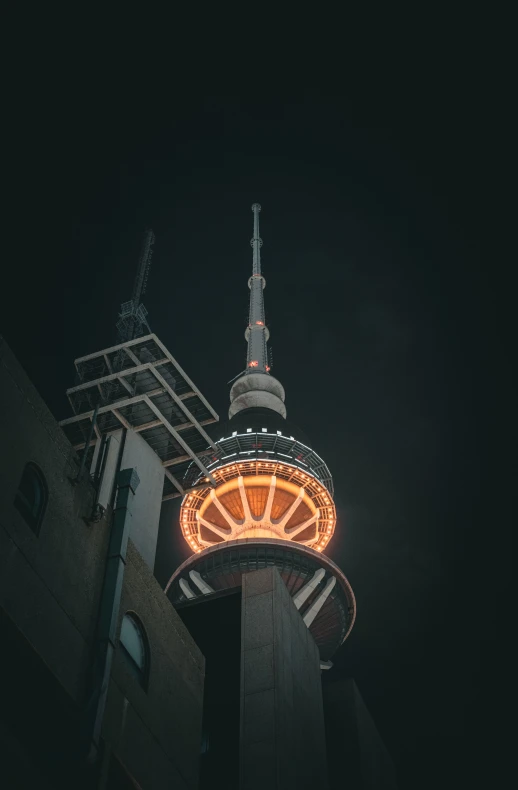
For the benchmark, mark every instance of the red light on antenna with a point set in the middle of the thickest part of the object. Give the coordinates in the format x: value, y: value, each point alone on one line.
x: 267, y: 369
x: 253, y: 364
x: 261, y: 323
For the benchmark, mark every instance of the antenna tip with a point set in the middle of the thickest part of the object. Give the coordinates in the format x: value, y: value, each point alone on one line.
x: 256, y: 207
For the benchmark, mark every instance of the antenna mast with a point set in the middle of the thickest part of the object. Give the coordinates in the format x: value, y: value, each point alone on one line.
x: 133, y: 315
x: 255, y: 387
x: 257, y: 334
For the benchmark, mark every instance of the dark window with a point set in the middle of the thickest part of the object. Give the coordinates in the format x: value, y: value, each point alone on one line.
x: 135, y: 647
x: 31, y: 497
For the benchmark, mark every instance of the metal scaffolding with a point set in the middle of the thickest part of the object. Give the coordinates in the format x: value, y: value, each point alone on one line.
x: 139, y: 385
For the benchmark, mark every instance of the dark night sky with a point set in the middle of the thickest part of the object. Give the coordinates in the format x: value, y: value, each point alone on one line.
x: 385, y: 294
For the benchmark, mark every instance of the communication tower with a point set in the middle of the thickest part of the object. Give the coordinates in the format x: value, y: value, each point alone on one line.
x: 269, y: 498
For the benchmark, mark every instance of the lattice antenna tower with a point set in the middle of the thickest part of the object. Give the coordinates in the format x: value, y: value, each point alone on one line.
x: 133, y: 321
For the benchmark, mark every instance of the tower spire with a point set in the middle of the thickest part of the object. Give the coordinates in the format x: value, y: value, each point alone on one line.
x: 255, y: 387
x: 257, y: 334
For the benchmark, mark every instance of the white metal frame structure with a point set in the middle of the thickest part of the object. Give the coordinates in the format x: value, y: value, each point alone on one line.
x: 140, y: 386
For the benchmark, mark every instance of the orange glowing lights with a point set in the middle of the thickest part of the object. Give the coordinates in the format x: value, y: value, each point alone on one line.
x: 253, y: 364
x: 197, y: 508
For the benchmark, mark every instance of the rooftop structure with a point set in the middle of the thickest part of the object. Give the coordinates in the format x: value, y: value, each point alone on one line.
x: 138, y: 385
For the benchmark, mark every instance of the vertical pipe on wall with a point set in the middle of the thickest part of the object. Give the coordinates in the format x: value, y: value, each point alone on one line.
x: 105, y: 643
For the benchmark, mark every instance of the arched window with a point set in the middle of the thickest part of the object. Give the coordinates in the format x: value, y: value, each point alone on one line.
x: 32, y: 496
x: 135, y: 647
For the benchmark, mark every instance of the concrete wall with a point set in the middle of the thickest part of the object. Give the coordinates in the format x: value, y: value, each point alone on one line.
x: 50, y: 584
x: 146, y: 508
x: 156, y: 733
x: 50, y: 588
x: 357, y: 757
x: 282, y: 723
x: 137, y: 454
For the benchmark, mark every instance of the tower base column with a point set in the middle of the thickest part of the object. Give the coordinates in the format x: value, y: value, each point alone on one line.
x: 282, y: 738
